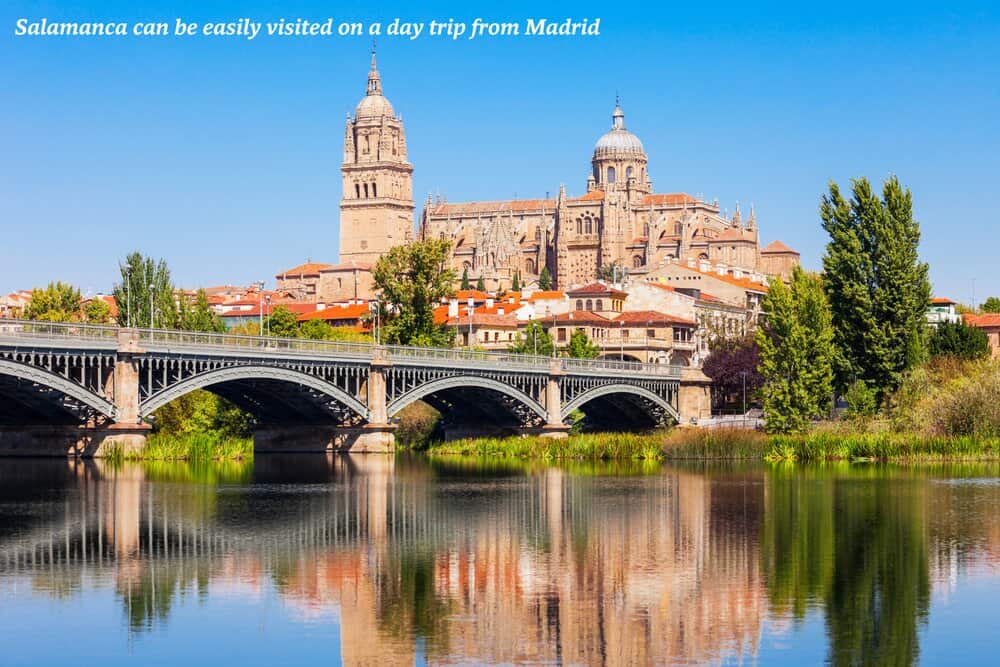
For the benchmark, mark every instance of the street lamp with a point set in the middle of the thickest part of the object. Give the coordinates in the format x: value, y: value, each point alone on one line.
x: 260, y: 307
x: 128, y: 294
x: 743, y: 374
x: 471, y: 306
x: 621, y: 339
x: 268, y: 300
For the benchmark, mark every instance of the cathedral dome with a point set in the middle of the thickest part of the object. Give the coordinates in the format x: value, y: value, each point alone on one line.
x: 373, y: 104
x: 618, y: 140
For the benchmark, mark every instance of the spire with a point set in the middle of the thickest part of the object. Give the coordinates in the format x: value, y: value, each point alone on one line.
x: 374, y: 81
x: 753, y: 217
x: 737, y: 218
x: 618, y: 118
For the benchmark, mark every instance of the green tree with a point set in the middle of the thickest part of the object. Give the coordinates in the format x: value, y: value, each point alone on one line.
x: 198, y: 316
x: 535, y: 340
x: 545, y: 279
x: 97, y: 311
x: 581, y: 347
x: 876, y: 284
x: 481, y: 284
x: 316, y: 330
x: 281, y: 323
x: 465, y: 279
x: 860, y: 400
x: 515, y: 284
x: 991, y: 305
x: 612, y: 273
x: 796, y: 352
x: 144, y: 283
x: 57, y: 302
x: 413, y: 279
x: 957, y: 339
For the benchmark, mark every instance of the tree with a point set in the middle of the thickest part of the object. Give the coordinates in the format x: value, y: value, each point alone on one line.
x: 535, y: 340
x: 281, y: 323
x: 57, y: 302
x: 581, y: 347
x: 481, y: 284
x: 97, y: 311
x: 545, y: 279
x: 612, y: 273
x: 316, y: 330
x: 145, y: 283
x: 413, y: 279
x: 246, y: 329
x: 515, y: 284
x: 198, y: 316
x: 465, y: 279
x: 796, y: 352
x: 991, y: 305
x: 876, y: 285
x: 957, y: 339
x: 733, y: 365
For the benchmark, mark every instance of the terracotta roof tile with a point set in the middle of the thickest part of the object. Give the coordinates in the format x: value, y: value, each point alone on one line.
x: 776, y: 247
x: 595, y: 289
x: 593, y: 195
x: 941, y: 301
x: 987, y: 320
x: 652, y: 317
x: 336, y: 313
x: 545, y: 294
x: 307, y: 269
x: 491, y: 207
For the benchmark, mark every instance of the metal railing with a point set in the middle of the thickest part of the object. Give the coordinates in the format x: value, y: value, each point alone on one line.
x: 18, y: 330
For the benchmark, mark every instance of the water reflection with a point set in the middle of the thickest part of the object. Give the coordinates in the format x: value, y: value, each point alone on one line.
x: 499, y: 563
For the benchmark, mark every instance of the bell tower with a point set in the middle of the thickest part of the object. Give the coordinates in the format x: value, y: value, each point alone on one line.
x: 376, y: 210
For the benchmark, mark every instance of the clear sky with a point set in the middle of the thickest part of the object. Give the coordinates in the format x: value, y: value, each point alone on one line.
x: 222, y: 155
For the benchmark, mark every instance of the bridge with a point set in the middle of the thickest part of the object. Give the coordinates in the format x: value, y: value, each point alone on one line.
x: 78, y: 389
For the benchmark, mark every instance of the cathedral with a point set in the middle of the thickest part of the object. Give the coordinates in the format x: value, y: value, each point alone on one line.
x: 619, y: 222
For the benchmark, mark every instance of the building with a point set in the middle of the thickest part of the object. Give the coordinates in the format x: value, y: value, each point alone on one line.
x: 618, y: 222
x: 990, y: 324
x: 942, y: 310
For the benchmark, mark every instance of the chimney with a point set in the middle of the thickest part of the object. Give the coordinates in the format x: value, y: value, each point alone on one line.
x: 500, y: 311
x: 489, y: 302
x: 453, y: 308
x: 690, y: 262
x: 737, y: 273
x: 721, y: 269
x: 704, y: 266
x: 321, y: 306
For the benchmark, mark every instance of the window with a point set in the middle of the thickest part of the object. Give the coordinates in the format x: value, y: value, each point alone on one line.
x: 579, y: 226
x: 637, y: 261
x: 529, y: 265
x: 579, y: 304
x: 650, y: 333
x: 561, y: 335
x: 590, y: 304
x: 374, y: 193
x: 357, y: 191
x: 589, y: 226
x: 611, y: 174
x: 600, y: 304
x: 366, y: 191
x: 624, y: 334
x: 628, y: 173
x: 682, y: 335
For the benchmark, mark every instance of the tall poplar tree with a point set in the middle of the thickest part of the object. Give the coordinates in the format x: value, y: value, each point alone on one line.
x: 145, y: 283
x: 876, y: 284
x: 796, y: 353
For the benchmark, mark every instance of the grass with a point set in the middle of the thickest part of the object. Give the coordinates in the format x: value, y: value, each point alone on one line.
x: 729, y: 444
x: 201, y: 447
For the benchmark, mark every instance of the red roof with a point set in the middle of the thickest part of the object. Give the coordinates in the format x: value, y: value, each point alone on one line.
x: 465, y: 294
x: 354, y: 311
x: 593, y: 195
x: 295, y: 308
x: 776, y: 247
x: 545, y: 294
x: 652, y: 317
x: 307, y: 269
x: 346, y: 266
x: 986, y: 321
x: 576, y: 317
x: 942, y: 301
x: 732, y: 234
x: 596, y: 289
x: 674, y: 199
x: 485, y: 319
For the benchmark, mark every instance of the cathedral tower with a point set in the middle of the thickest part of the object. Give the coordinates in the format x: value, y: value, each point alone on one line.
x: 376, y: 211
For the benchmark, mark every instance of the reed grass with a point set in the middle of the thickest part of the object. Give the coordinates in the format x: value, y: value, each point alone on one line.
x: 199, y: 447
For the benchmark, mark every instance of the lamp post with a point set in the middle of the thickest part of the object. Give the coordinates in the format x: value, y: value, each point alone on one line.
x: 471, y: 302
x: 260, y: 307
x: 128, y: 295
x: 743, y: 374
x: 549, y: 309
x: 267, y: 299
x: 151, y: 307
x: 621, y: 340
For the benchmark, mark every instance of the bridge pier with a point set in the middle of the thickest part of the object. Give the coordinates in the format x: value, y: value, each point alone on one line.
x: 554, y: 426
x: 694, y: 396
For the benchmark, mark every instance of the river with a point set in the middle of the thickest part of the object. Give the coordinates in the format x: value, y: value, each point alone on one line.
x: 375, y: 561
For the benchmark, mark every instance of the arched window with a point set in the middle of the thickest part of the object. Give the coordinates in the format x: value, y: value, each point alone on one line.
x: 628, y: 173
x: 637, y: 261
x: 529, y: 266
x: 366, y: 191
x: 611, y: 174
x: 466, y: 265
x: 357, y: 191
x: 590, y: 304
x: 702, y: 256
x: 579, y: 226
x: 590, y: 226
x: 600, y: 304
x: 579, y: 304
x: 374, y: 191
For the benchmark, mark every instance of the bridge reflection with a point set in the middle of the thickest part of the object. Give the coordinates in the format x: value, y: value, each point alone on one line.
x: 506, y: 564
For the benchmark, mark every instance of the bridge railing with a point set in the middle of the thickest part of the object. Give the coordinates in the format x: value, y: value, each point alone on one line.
x: 58, y: 331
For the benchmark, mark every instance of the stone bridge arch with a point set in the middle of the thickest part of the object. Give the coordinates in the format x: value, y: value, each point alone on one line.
x: 468, y: 393
x: 627, y: 404
x: 53, y: 394
x: 258, y: 389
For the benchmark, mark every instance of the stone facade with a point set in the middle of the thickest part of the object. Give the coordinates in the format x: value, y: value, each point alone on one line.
x: 376, y: 209
x: 619, y: 222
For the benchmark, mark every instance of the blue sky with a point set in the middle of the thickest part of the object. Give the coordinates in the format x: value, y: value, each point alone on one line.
x: 222, y: 156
